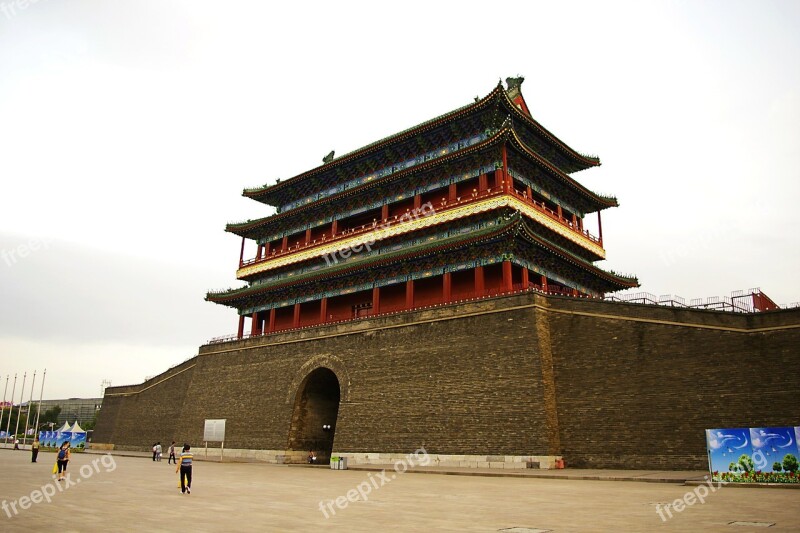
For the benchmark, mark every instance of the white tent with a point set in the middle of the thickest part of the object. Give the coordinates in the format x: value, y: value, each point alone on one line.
x: 64, y: 428
x: 76, y: 428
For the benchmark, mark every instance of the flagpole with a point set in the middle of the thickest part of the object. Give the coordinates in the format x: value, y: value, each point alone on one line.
x: 41, y: 395
x: 19, y: 407
x: 3, y: 410
x: 11, y: 409
x: 28, y: 410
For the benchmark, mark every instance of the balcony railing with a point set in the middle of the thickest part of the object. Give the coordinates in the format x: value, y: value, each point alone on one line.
x: 442, y: 206
x: 542, y: 208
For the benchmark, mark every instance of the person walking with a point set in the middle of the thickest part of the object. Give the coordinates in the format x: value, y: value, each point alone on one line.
x: 34, y: 449
x: 158, y: 451
x: 185, y: 469
x: 155, y: 451
x: 64, y: 455
x: 172, y: 453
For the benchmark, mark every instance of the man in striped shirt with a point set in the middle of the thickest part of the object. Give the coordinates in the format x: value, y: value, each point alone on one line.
x: 185, y: 469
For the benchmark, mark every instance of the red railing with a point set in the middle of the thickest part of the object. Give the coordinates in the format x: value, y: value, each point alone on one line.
x: 442, y: 206
x: 427, y: 303
x: 542, y: 208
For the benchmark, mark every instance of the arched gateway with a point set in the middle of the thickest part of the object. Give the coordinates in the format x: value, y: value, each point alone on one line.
x: 316, y: 407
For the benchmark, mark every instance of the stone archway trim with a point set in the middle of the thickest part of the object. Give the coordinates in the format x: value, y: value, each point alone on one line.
x: 331, y: 362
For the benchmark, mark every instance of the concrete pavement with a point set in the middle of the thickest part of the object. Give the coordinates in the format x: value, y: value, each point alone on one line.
x: 116, y: 493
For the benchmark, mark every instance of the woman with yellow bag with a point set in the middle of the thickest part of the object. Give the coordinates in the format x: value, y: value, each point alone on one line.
x: 62, y: 459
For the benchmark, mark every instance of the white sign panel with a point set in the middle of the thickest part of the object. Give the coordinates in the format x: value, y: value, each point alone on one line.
x: 214, y: 430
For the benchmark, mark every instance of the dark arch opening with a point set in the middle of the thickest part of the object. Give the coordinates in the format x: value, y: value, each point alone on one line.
x: 314, y: 417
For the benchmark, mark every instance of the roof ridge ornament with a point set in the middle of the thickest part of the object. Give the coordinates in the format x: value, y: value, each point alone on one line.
x: 514, y: 83
x: 328, y: 158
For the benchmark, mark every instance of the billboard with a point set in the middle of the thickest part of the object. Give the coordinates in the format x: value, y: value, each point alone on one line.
x: 214, y: 430
x: 754, y: 455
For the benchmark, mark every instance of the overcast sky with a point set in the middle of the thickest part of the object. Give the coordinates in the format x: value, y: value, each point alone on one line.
x: 128, y: 130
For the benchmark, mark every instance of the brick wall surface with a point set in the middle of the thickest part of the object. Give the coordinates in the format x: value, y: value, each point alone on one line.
x: 603, y: 384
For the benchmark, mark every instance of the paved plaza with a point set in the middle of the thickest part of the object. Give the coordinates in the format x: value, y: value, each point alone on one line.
x: 123, y: 493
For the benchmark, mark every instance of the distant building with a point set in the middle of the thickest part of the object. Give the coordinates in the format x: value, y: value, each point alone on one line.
x: 73, y: 409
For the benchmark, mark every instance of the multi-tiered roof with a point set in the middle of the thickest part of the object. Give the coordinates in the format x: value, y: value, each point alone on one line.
x: 483, y: 185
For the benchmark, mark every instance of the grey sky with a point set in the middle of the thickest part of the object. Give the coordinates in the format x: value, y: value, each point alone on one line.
x: 128, y: 130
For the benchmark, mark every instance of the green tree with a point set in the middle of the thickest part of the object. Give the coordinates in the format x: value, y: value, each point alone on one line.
x: 10, y: 413
x: 51, y: 415
x: 746, y: 463
x: 776, y: 466
x: 93, y: 422
x: 790, y: 463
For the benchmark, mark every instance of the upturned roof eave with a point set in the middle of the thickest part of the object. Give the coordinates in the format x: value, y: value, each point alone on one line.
x: 623, y: 282
x: 589, y: 161
x: 601, y: 202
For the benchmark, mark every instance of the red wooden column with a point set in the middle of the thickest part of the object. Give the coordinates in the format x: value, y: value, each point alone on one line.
x: 296, y: 319
x: 525, y: 279
x: 544, y: 283
x: 240, y: 331
x: 479, y: 280
x: 498, y: 179
x: 507, y: 280
x: 285, y: 243
x: 417, y: 201
x: 385, y: 212
x: 241, y: 254
x: 308, y: 235
x: 507, y: 177
x: 447, y: 287
x: 266, y: 249
x: 483, y: 182
x: 376, y: 300
x: 409, y: 294
x: 574, y: 220
x: 452, y: 192
x: 259, y: 252
x: 529, y: 193
x: 560, y: 213
x: 600, y: 228
x: 254, y: 325
x: 323, y: 310
x: 271, y: 320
